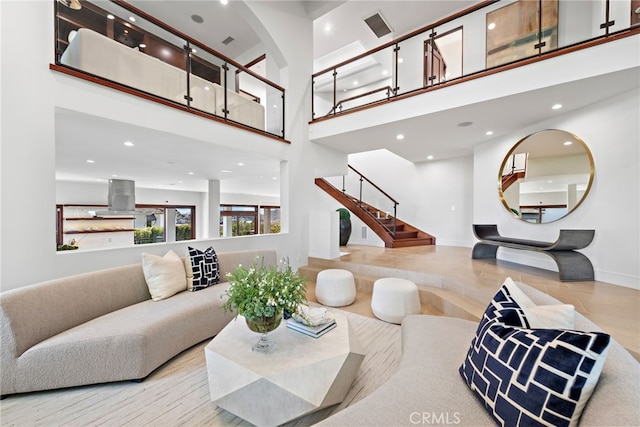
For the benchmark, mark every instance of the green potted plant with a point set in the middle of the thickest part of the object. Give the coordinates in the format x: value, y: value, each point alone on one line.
x: 262, y: 294
x: 345, y: 226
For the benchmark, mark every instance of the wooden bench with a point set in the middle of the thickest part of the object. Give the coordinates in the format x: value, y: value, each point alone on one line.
x: 572, y: 265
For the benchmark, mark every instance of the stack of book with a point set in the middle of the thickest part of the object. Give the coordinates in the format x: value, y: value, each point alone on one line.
x: 312, y: 331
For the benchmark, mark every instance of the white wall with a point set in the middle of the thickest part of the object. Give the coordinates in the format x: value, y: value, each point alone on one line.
x: 610, y: 130
x: 446, y: 200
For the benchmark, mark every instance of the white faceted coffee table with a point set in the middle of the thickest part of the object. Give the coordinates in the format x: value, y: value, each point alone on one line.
x: 302, y: 375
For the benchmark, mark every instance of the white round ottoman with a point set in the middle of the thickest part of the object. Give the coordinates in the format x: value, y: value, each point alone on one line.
x: 393, y: 299
x: 335, y: 287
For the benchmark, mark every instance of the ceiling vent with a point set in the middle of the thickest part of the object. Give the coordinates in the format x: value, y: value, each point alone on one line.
x: 378, y: 25
x: 227, y: 40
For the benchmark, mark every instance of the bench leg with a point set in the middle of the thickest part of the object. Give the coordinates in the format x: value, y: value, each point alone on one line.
x: 484, y: 251
x: 572, y: 265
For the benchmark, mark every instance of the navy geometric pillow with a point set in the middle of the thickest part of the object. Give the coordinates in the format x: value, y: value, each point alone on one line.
x: 205, y: 266
x: 504, y: 306
x: 532, y: 377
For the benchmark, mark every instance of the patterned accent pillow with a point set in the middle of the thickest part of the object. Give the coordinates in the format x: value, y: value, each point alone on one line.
x: 505, y: 307
x: 534, y: 376
x: 205, y: 268
x: 517, y: 309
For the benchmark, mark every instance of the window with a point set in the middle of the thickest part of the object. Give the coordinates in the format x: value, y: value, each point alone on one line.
x: 151, y: 224
x: 245, y: 220
x: 86, y: 227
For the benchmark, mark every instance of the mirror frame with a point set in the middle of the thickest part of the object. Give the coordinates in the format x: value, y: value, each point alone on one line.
x: 513, y: 150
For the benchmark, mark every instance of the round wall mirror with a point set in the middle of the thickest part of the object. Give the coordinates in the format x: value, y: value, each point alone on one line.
x: 545, y: 176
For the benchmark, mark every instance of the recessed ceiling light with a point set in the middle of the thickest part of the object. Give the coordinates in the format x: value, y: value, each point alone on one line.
x: 399, y: 136
x: 465, y: 124
x: 142, y: 45
x: 355, y: 82
x: 90, y: 161
x: 491, y: 26
x: 189, y: 173
x: 549, y: 182
x: 193, y: 50
x: 240, y: 164
x: 206, y: 88
x: 128, y: 143
x: 327, y: 27
x: 489, y: 133
x: 224, y: 1
x: 385, y: 72
x: 556, y: 106
x: 400, y: 60
x: 132, y: 19
x: 225, y: 171
x: 429, y: 157
x: 567, y: 143
x: 114, y: 176
x: 274, y: 178
x: 110, y: 16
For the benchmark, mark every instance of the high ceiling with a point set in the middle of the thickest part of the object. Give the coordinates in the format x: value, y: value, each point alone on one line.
x: 336, y: 24
x: 158, y: 160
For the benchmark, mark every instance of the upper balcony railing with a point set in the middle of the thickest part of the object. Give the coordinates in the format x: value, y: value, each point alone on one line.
x: 488, y: 37
x: 120, y: 46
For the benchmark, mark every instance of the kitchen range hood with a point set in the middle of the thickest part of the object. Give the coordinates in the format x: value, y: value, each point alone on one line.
x: 121, y: 198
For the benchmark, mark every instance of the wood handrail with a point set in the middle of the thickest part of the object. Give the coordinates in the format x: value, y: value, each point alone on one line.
x: 155, y: 98
x: 629, y: 32
x: 374, y: 185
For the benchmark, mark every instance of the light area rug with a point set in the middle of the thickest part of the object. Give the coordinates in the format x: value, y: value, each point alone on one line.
x: 177, y: 393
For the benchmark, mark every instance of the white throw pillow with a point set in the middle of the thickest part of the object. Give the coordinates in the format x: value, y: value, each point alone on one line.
x: 165, y: 276
x: 556, y: 316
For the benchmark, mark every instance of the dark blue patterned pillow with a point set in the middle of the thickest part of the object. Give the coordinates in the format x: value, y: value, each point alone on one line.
x: 505, y: 307
x: 205, y: 267
x: 530, y: 377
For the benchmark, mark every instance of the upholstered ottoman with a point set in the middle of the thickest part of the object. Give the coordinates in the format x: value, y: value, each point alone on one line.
x: 335, y: 287
x: 394, y: 298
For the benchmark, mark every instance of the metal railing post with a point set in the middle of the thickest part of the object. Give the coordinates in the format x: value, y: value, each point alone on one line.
x: 395, y: 213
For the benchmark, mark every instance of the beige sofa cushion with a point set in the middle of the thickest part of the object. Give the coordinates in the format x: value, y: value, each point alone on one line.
x: 165, y: 276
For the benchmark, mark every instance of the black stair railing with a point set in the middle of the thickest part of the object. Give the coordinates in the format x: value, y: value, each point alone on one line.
x: 370, y: 195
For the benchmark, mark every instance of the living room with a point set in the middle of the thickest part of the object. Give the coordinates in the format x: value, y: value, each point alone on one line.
x: 32, y: 94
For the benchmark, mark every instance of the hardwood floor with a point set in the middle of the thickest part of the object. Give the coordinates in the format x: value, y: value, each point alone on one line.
x: 456, y: 282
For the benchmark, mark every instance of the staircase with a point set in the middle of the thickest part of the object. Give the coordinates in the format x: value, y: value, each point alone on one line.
x: 394, y: 232
x: 512, y: 178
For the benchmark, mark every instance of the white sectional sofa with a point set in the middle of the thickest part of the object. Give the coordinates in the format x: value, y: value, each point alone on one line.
x: 94, y: 53
x: 103, y: 326
x: 427, y: 389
